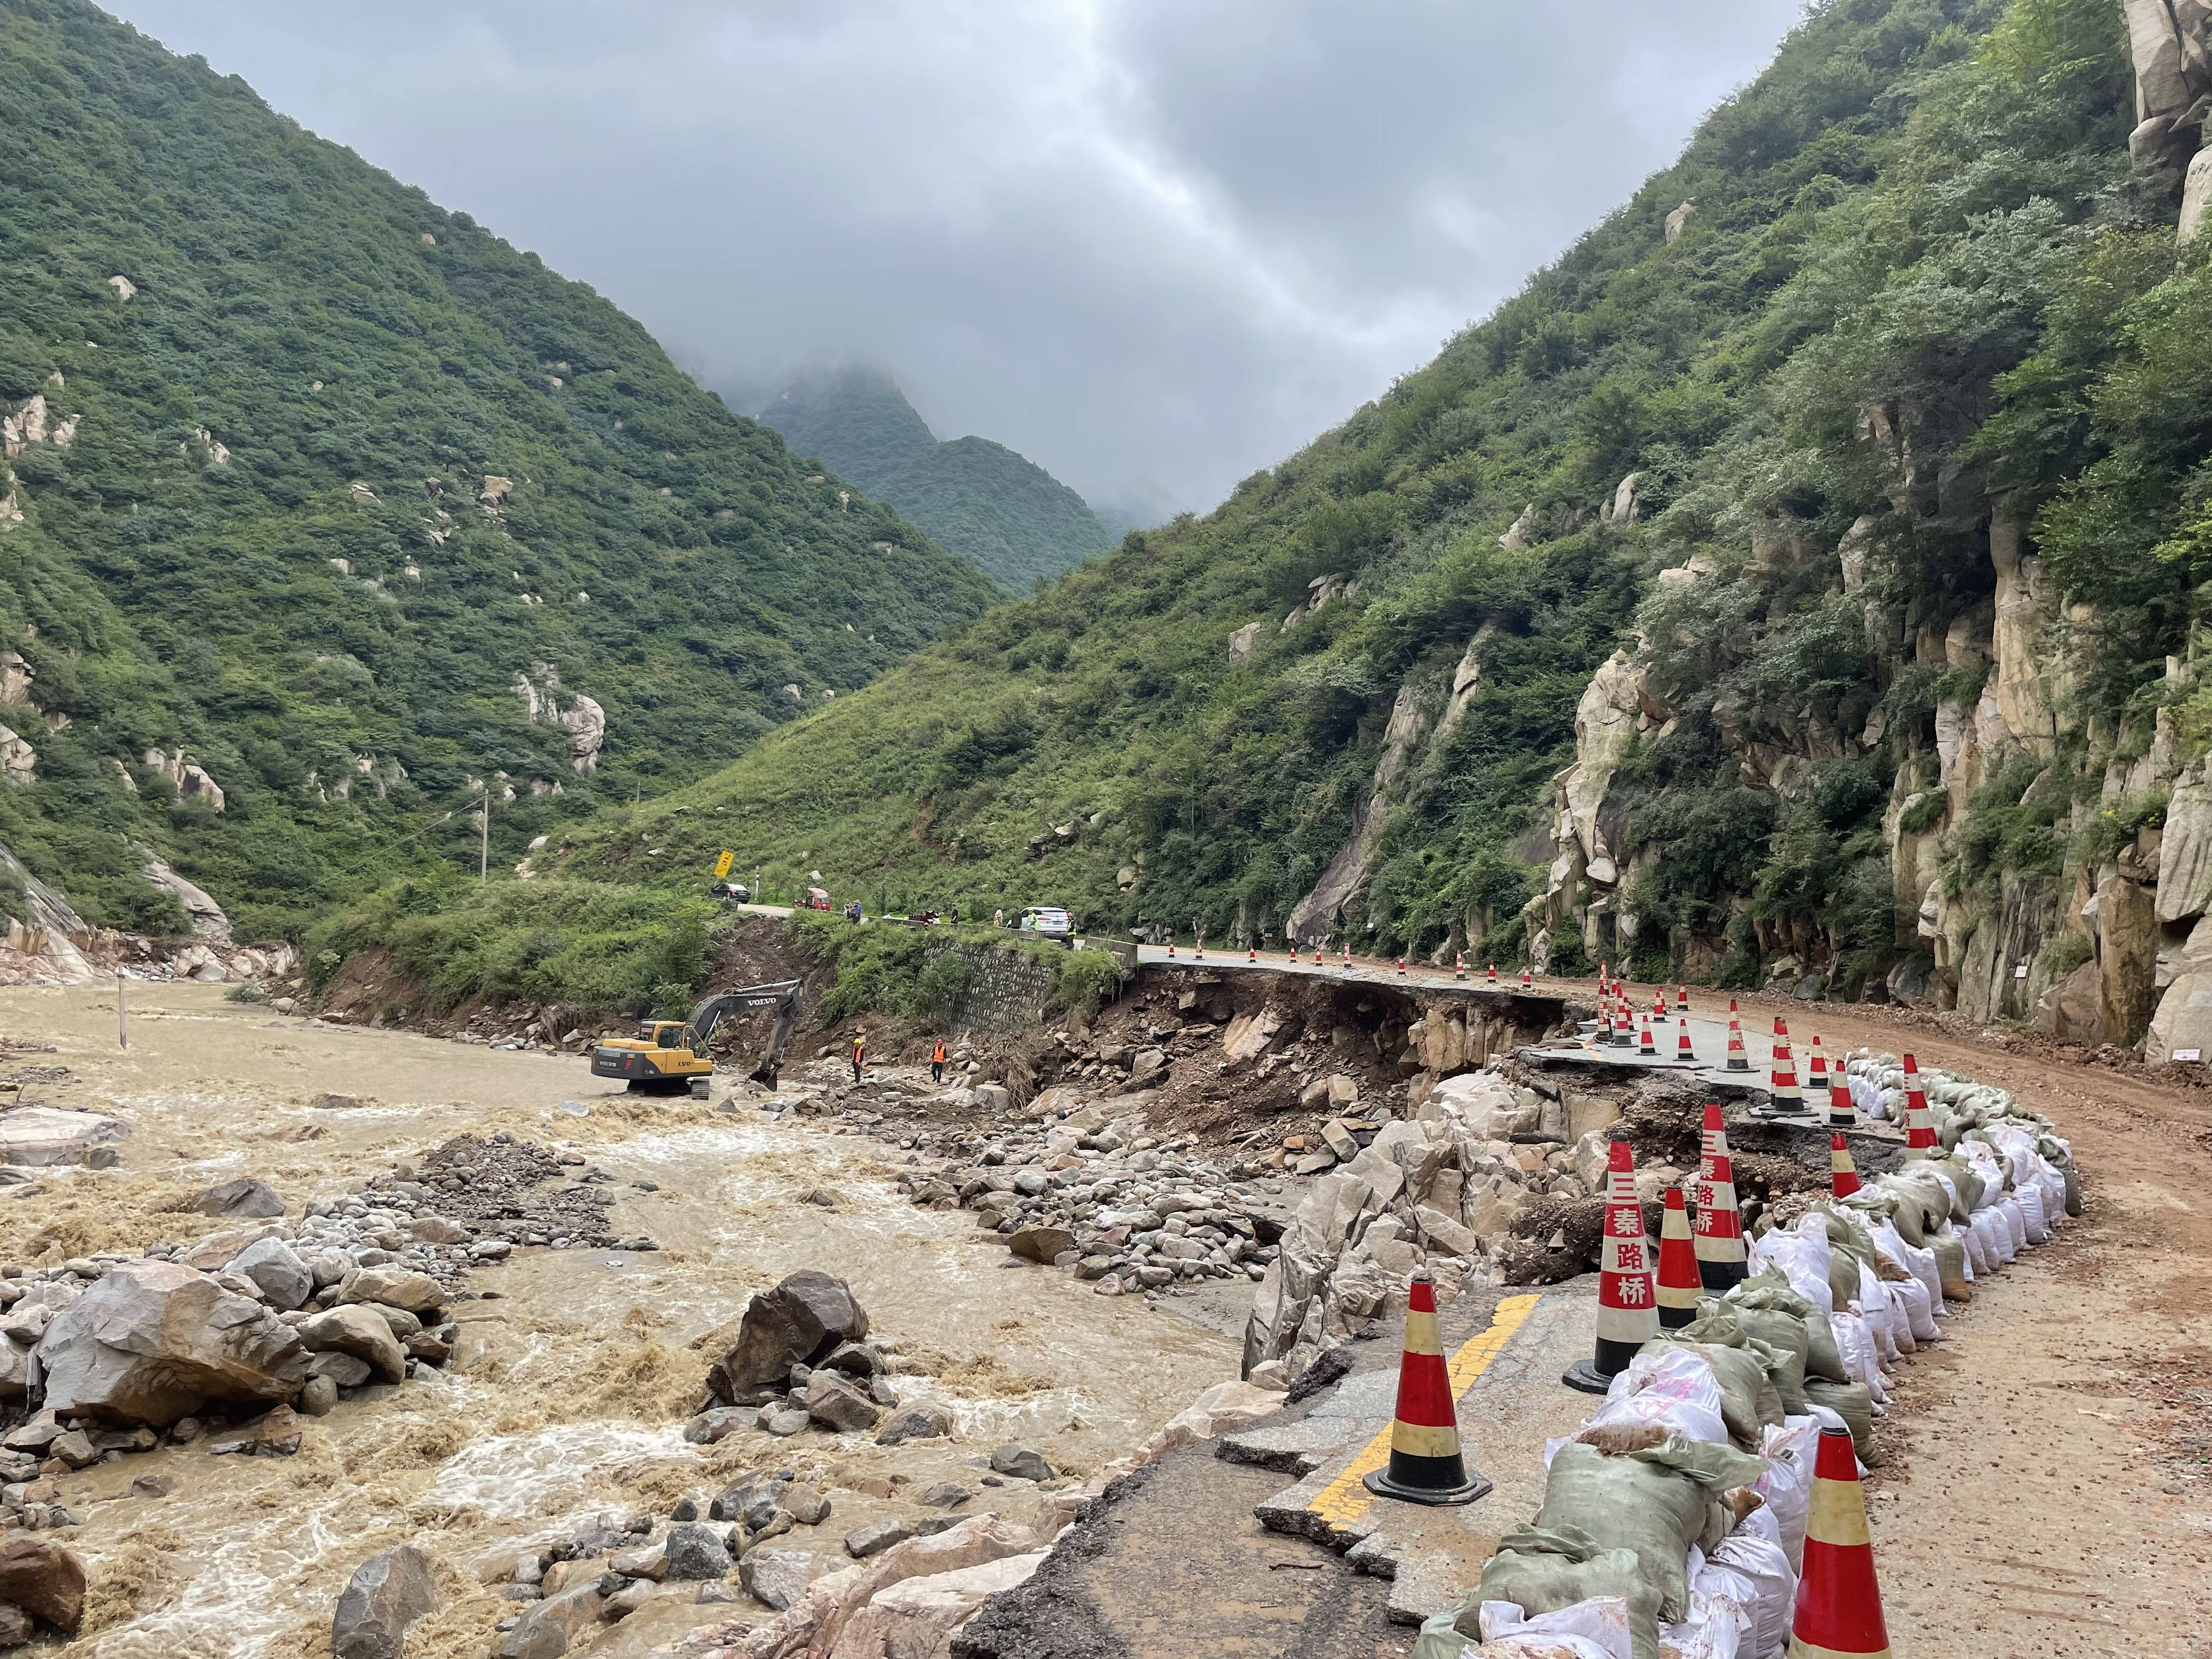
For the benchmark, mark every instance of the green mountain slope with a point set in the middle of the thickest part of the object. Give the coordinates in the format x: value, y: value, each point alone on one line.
x: 980, y: 499
x: 1805, y: 578
x: 309, y: 482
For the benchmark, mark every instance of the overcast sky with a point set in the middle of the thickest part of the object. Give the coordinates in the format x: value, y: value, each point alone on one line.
x: 1152, y: 245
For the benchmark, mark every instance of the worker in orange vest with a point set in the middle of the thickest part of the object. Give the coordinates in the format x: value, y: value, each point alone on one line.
x: 860, y: 1053
x: 937, y: 1061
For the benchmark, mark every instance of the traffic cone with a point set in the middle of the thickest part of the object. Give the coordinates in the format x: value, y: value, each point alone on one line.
x: 1680, y: 1286
x: 1627, y: 1023
x: 1787, y: 1096
x: 1427, y: 1465
x: 1459, y: 964
x: 1919, y: 1121
x: 1683, y: 1051
x: 1842, y: 1115
x: 1738, y: 1060
x: 1524, y: 977
x: 1627, y: 1310
x: 1719, y: 1235
x: 1201, y: 951
x: 1604, y: 1021
x: 1401, y: 967
x: 1645, y: 1048
x: 1294, y: 953
x: 1493, y: 980
x: 1251, y: 953
x: 1816, y: 1070
x: 1681, y: 997
x: 1842, y: 1174
x: 1659, y: 1004
x: 1839, y: 1603
x: 1347, y: 954
x: 1170, y: 945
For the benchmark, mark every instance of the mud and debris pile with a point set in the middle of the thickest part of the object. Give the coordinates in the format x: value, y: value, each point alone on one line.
x: 515, y: 1192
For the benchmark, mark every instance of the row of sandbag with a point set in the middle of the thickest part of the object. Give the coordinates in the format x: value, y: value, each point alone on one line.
x: 1960, y: 1108
x: 1674, y: 1523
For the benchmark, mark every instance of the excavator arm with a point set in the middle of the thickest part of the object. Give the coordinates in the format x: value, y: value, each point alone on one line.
x: 782, y: 996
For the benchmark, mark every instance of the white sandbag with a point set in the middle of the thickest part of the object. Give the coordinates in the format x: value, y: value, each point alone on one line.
x: 1918, y: 1261
x: 1912, y: 1300
x: 1803, y: 1253
x: 1719, y: 1626
x: 2029, y: 1197
x: 1670, y: 1386
x: 1981, y: 1260
x: 1760, y: 1580
x: 1789, y: 1448
x: 1855, y: 1342
x: 1882, y: 1315
x: 2010, y: 1211
x: 1592, y: 1629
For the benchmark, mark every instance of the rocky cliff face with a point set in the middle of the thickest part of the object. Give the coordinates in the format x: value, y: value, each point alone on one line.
x: 1971, y: 714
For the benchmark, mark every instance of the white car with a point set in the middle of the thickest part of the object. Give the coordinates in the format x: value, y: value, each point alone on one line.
x: 1049, y: 920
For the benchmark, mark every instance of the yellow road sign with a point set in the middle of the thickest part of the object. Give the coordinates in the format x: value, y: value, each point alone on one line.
x: 722, y: 865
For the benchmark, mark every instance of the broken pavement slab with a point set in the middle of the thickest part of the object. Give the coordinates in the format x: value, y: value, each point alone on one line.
x: 1505, y: 1375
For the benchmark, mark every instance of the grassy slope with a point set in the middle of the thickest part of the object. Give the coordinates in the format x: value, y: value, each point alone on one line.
x: 1014, y: 519
x: 164, y: 599
x: 1924, y: 207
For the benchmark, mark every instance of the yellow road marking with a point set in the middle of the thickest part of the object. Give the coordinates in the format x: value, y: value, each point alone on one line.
x: 1344, y: 1500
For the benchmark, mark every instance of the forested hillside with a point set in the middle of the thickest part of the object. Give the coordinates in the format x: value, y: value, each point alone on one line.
x: 1870, y: 435
x: 321, y: 503
x: 1013, y: 518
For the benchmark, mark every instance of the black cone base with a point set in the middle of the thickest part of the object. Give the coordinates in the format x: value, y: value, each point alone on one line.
x: 1432, y: 1480
x: 1585, y: 1375
x: 1719, y: 1277
x: 1672, y: 1319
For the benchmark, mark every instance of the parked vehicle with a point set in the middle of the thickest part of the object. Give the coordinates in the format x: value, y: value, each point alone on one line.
x: 1049, y: 921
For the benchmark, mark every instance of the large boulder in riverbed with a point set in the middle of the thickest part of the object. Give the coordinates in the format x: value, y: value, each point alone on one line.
x: 152, y: 1342
x: 45, y: 1580
x: 388, y: 1592
x: 393, y: 1286
x: 359, y: 1332
x: 797, y: 1323
x: 242, y: 1198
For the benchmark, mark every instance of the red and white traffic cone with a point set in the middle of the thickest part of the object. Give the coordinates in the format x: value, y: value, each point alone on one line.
x: 1659, y: 1004
x: 1738, y: 1060
x: 1645, y: 1048
x: 1172, y: 944
x: 1604, y: 1022
x: 1679, y: 1286
x: 1401, y: 967
x: 1781, y: 1081
x: 1459, y: 964
x: 1683, y: 1052
x: 1816, y: 1072
x: 1294, y: 953
x: 1627, y: 1021
x: 1427, y: 1465
x: 1251, y: 953
x: 1842, y: 1174
x: 1839, y: 1615
x: 1681, y: 997
x: 1842, y: 1115
x: 1719, y: 1234
x: 1347, y: 954
x: 1493, y: 980
x: 1524, y: 977
x: 1920, y: 1138
x: 1201, y: 952
x: 1627, y: 1306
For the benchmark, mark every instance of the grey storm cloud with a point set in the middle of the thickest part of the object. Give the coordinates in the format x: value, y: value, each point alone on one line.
x: 1152, y: 245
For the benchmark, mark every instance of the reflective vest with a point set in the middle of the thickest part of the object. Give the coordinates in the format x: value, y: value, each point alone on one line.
x: 937, y: 1055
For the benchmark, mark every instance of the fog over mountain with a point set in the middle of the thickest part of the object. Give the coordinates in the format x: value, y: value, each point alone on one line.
x: 1150, y: 247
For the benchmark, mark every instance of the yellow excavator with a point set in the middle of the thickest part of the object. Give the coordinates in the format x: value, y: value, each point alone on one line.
x: 671, y: 1053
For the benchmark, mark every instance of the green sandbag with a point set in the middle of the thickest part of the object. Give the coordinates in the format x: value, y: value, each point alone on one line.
x: 1544, y: 1569
x: 1770, y: 1288
x: 1950, y: 1252
x: 1742, y: 1380
x: 1884, y: 1203
x: 1854, y: 1403
x: 1715, y: 1329
x: 1784, y: 1337
x: 1655, y: 1503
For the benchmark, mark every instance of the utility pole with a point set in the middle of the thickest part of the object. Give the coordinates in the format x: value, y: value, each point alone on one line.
x: 122, y: 1025
x: 483, y: 846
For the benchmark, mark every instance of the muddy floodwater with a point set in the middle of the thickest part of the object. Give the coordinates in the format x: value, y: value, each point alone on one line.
x: 568, y: 1391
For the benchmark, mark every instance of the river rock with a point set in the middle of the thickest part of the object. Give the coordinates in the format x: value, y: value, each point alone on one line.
x: 874, y: 1539
x: 318, y: 1396
x: 1041, y: 1244
x: 836, y: 1404
x: 153, y: 1341
x: 1020, y: 1463
x: 244, y: 1199
x: 44, y: 1136
x: 546, y: 1630
x: 45, y: 1580
x: 393, y: 1286
x: 797, y: 1322
x: 776, y: 1578
x: 359, y: 1332
x: 284, y: 1279
x: 387, y: 1593
x: 695, y: 1551
x: 923, y: 1422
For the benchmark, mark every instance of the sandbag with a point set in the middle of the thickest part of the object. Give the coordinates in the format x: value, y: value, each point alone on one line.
x: 1770, y: 1288
x: 1953, y: 1272
x: 1789, y: 1448
x: 1782, y: 1336
x: 1853, y: 1403
x: 1856, y: 1343
x: 1761, y: 1580
x: 1744, y: 1387
x: 1669, y: 1386
x: 1543, y: 1569
x: 2009, y: 1212
x: 1918, y: 1261
x: 1655, y: 1503
x: 2029, y: 1197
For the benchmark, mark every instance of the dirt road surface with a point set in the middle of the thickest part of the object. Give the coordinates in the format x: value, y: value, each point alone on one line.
x: 581, y: 1375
